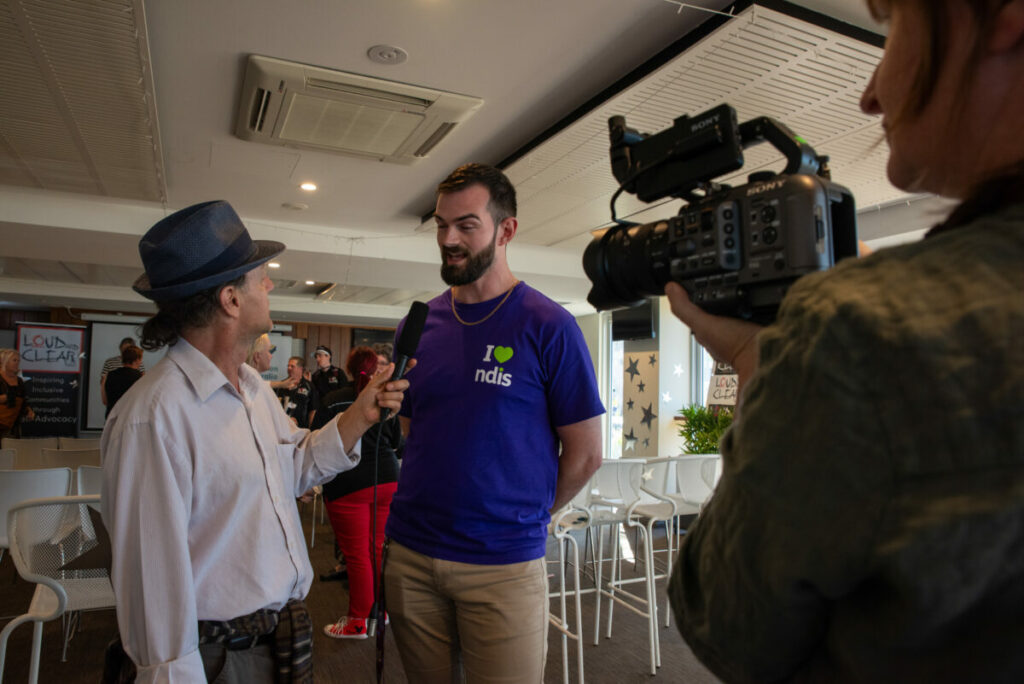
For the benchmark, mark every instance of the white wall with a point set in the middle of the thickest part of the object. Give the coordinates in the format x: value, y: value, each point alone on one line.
x: 595, y: 334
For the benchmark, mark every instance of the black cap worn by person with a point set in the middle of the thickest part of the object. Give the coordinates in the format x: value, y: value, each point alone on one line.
x: 323, y: 349
x: 196, y: 248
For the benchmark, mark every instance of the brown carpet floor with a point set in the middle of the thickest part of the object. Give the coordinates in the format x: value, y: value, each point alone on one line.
x: 622, y: 659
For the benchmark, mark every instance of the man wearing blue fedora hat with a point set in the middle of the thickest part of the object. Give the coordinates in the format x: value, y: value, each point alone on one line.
x: 202, y: 467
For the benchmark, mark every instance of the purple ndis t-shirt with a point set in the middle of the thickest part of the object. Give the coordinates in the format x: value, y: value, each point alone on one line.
x: 481, y: 460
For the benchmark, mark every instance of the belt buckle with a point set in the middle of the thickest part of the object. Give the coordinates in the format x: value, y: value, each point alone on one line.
x: 240, y: 642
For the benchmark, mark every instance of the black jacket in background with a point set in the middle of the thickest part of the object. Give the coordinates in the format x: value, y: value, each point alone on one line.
x: 387, y: 434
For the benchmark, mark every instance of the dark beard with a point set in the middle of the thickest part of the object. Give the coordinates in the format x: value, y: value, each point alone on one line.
x: 469, y: 272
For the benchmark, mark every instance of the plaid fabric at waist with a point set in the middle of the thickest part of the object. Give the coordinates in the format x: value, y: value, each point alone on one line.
x: 241, y: 632
x: 290, y: 629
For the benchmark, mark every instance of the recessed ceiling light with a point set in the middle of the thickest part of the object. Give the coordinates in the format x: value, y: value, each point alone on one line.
x: 273, y: 264
x: 308, y: 187
x: 311, y: 282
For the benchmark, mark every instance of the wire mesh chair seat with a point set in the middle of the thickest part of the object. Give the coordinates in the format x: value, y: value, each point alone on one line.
x: 68, y: 563
x: 19, y: 485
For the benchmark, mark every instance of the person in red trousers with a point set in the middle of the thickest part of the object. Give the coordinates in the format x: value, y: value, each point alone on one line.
x: 351, y: 500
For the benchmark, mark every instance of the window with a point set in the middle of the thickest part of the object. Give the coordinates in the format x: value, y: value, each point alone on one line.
x: 615, y: 401
x: 702, y: 367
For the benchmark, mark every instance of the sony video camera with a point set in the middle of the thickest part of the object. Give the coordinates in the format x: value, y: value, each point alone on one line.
x: 735, y: 250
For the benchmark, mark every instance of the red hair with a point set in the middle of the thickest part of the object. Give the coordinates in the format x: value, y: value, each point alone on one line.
x: 361, y: 365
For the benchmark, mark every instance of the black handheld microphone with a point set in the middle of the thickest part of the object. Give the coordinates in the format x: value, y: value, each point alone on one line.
x: 405, y: 348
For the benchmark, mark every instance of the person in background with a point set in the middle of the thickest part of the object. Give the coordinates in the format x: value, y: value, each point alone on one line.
x: 261, y: 354
x: 298, y: 397
x: 503, y: 426
x: 114, y: 362
x: 121, y: 379
x: 869, y: 522
x: 261, y: 357
x: 13, y: 406
x: 384, y: 349
x: 201, y: 468
x: 352, y: 502
x: 327, y: 377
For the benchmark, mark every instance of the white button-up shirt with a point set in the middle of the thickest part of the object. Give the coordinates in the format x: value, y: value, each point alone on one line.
x: 199, y: 495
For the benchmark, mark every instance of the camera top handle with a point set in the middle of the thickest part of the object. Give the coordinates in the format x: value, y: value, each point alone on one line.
x: 800, y: 157
x: 687, y: 156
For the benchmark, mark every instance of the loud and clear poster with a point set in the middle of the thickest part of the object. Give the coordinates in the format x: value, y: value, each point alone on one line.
x: 51, y: 366
x: 723, y: 386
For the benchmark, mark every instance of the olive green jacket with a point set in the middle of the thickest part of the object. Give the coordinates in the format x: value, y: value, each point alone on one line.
x: 869, y: 522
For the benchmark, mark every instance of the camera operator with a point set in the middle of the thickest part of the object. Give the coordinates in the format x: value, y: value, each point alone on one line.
x: 869, y: 522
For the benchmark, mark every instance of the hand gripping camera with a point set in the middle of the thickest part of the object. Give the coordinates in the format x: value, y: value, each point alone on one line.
x: 735, y: 250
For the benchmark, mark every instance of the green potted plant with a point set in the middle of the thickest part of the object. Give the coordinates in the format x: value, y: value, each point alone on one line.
x: 702, y: 427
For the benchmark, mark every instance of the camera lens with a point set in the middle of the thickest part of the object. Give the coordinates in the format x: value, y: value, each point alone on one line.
x: 620, y: 264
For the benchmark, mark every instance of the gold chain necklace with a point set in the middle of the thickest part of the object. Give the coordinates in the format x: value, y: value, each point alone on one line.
x: 493, y: 311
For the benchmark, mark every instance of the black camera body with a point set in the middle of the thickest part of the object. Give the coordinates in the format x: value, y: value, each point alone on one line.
x: 735, y: 250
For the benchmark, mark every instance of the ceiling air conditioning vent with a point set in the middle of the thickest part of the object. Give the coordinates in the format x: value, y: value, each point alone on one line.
x: 287, y: 103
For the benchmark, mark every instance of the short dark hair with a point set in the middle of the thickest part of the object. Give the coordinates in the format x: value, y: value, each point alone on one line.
x: 127, y: 340
x: 503, y: 195
x: 131, y: 354
x: 177, y: 315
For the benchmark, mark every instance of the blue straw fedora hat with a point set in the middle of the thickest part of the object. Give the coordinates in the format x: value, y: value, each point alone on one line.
x: 196, y: 248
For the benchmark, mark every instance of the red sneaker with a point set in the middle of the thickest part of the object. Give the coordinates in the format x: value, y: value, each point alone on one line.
x: 347, y: 628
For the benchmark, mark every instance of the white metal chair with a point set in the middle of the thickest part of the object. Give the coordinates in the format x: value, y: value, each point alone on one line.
x: 78, y: 442
x: 90, y: 480
x: 29, y: 449
x: 19, y: 485
x: 318, y: 495
x: 614, y: 495
x: 696, y: 477
x: 674, y: 486
x: 7, y: 459
x: 68, y: 458
x: 658, y: 504
x: 67, y: 579
x: 571, y: 518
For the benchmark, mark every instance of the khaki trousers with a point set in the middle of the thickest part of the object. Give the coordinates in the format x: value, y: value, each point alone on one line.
x: 486, y: 623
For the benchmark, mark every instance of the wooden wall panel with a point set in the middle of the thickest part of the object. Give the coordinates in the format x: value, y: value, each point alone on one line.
x: 9, y: 318
x: 337, y: 337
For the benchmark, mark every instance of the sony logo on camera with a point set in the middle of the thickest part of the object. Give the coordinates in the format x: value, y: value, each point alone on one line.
x: 704, y: 123
x: 758, y: 188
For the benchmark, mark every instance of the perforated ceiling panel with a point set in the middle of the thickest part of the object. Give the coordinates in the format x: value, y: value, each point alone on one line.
x: 77, y: 112
x: 763, y: 63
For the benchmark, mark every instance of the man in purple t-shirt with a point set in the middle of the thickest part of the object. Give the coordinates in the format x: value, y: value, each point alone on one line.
x: 503, y: 423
